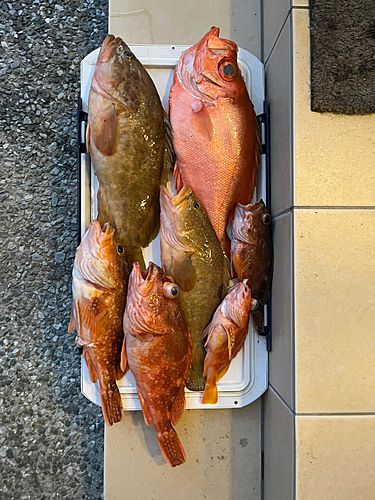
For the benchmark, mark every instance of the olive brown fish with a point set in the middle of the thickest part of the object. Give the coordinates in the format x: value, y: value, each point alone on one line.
x: 128, y: 137
x: 192, y: 254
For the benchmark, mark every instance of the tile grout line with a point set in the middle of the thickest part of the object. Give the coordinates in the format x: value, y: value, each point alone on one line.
x: 292, y: 267
x: 295, y: 7
x: 321, y: 207
x: 281, y: 398
x: 348, y: 414
x: 277, y: 38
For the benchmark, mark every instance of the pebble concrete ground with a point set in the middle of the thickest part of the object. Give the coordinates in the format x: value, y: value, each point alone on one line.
x: 51, y: 437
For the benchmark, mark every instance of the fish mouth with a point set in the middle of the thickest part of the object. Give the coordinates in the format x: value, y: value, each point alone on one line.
x: 179, y: 201
x: 251, y: 207
x: 110, y: 47
x: 106, y: 234
x: 170, y: 203
x: 145, y: 280
x: 101, y: 236
x: 219, y: 45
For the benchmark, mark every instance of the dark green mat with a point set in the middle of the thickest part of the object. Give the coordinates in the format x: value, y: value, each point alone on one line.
x: 343, y: 56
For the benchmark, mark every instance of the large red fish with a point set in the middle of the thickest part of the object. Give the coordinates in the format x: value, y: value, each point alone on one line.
x: 158, y: 349
x: 215, y: 132
x: 252, y: 253
x: 226, y: 335
x: 99, y: 290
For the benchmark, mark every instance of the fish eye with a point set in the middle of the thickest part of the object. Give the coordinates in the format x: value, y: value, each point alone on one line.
x: 120, y: 249
x: 228, y: 70
x: 128, y: 54
x: 266, y: 219
x: 196, y: 205
x: 170, y: 290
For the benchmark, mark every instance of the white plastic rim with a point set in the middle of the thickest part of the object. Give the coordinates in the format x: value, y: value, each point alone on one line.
x: 247, y: 377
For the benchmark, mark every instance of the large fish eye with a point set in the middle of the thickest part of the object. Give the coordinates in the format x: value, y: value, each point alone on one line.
x: 228, y: 69
x: 170, y: 290
x: 266, y: 219
x: 119, y: 249
x: 196, y: 205
x: 128, y: 54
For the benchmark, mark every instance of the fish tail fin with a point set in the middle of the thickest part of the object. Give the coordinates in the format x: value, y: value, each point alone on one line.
x: 111, y: 402
x: 258, y: 318
x: 171, y: 447
x: 196, y: 380
x: 210, y: 392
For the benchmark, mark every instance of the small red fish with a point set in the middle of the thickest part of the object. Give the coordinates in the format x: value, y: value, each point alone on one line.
x: 99, y: 290
x: 158, y: 349
x: 226, y: 334
x: 252, y: 253
x: 215, y: 131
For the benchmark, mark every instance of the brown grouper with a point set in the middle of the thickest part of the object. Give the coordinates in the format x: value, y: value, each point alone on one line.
x: 129, y: 144
x: 192, y: 254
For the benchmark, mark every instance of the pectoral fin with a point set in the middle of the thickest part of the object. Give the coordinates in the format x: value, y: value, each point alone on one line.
x: 201, y: 119
x: 104, y: 127
x: 124, y: 359
x: 178, y: 265
x: 178, y: 406
x: 72, y: 322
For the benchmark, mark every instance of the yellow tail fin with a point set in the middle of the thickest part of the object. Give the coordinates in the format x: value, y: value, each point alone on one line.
x: 210, y: 393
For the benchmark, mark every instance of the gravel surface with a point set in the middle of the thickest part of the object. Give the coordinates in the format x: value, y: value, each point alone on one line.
x: 51, y: 437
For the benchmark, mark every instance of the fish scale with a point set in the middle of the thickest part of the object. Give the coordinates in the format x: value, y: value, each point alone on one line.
x: 158, y: 354
x: 184, y: 225
x: 129, y: 146
x: 215, y: 132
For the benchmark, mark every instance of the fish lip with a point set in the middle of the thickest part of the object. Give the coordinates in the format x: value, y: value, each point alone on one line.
x: 251, y: 207
x: 105, y: 236
x: 181, y: 196
x: 109, y: 48
x: 145, y: 279
x: 170, y: 203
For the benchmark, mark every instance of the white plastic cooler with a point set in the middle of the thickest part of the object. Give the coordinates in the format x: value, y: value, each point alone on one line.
x: 247, y: 378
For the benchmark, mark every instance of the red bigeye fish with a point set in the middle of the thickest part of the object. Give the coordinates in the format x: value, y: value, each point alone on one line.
x: 226, y: 334
x: 158, y: 349
x: 99, y: 290
x: 130, y: 147
x: 215, y: 132
x: 252, y: 253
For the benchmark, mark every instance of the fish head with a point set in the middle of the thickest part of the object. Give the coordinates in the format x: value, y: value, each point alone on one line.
x: 118, y: 73
x: 99, y: 259
x: 237, y: 304
x: 210, y: 70
x: 183, y: 212
x: 251, y: 222
x: 152, y: 303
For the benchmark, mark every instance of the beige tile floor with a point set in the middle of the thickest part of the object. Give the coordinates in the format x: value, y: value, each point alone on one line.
x: 223, y: 446
x: 334, y: 155
x: 335, y: 458
x: 223, y: 458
